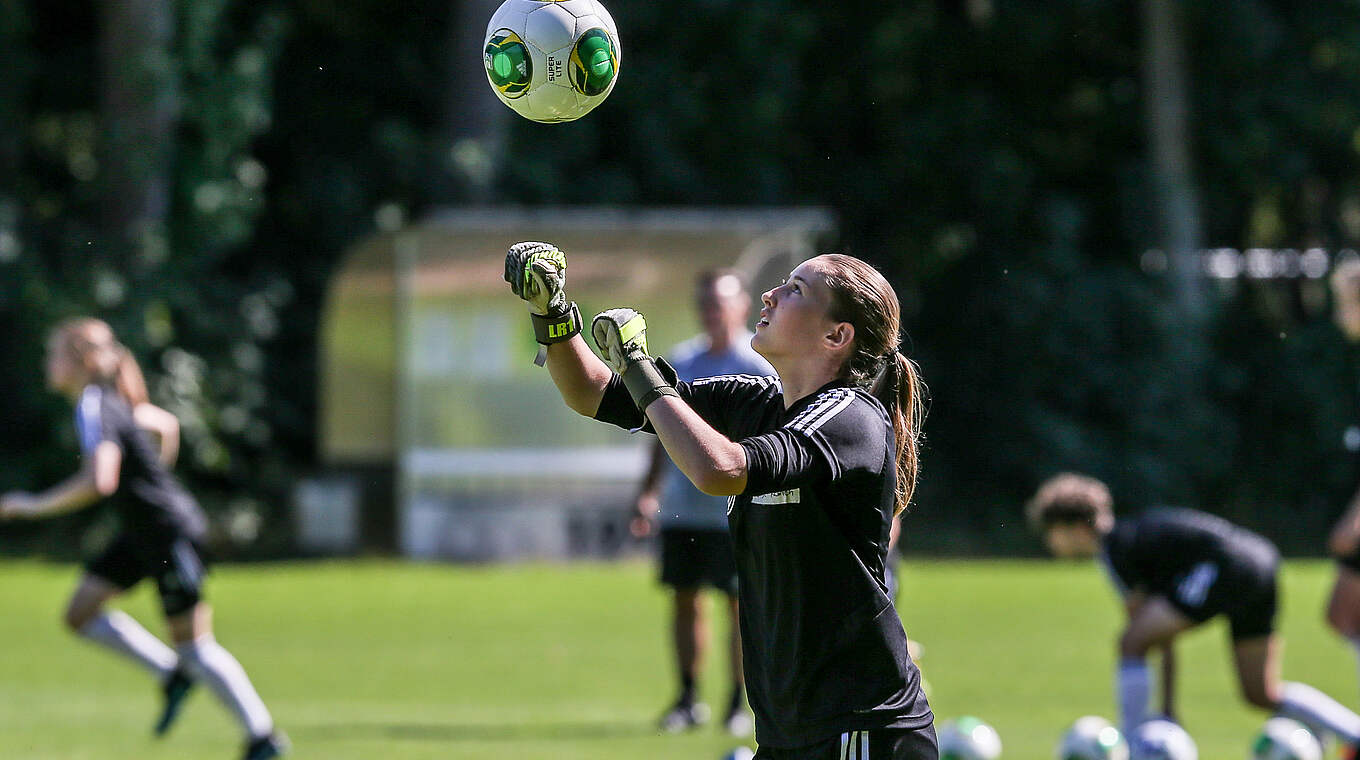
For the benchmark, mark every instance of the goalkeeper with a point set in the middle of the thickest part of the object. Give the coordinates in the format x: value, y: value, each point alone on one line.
x: 816, y: 461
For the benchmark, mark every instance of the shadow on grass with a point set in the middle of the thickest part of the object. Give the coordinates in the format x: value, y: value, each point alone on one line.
x: 468, y: 732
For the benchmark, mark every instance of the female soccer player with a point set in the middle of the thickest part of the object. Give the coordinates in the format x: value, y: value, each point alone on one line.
x: 162, y: 527
x: 816, y: 462
x: 1343, y: 608
x: 1176, y: 569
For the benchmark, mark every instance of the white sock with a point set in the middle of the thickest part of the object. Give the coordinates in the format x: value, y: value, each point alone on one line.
x: 120, y: 633
x: 215, y: 666
x: 1310, y: 706
x: 1135, y: 689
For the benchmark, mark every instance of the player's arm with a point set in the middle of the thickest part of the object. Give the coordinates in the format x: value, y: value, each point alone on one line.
x: 537, y: 273
x: 712, y: 461
x: 1345, y: 536
x: 648, y: 503
x: 97, y: 477
x: 164, y: 425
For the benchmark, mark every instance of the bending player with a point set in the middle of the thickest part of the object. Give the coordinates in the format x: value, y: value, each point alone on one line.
x: 816, y: 462
x: 1343, y: 607
x: 162, y: 527
x: 1177, y: 569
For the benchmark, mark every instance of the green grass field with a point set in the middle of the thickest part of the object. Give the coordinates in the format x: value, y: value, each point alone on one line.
x: 403, y: 661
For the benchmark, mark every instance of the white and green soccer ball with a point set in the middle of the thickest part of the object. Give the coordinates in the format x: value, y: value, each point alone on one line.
x: 551, y: 60
x: 968, y: 738
x: 1093, y: 738
x: 1161, y: 739
x: 1285, y: 739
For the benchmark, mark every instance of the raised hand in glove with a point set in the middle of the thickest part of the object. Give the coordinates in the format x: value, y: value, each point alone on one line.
x: 537, y: 272
x: 621, y: 335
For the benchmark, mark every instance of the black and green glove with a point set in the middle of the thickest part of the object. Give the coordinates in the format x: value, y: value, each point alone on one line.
x: 621, y: 335
x: 537, y: 272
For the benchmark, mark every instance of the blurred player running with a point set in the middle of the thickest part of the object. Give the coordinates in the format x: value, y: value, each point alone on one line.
x: 162, y: 527
x: 695, y: 548
x: 1177, y: 569
x: 816, y: 462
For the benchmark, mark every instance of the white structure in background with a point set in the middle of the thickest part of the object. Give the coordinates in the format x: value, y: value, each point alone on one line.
x: 428, y: 386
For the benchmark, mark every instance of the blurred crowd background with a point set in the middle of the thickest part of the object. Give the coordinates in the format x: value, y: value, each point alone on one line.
x: 1110, y: 223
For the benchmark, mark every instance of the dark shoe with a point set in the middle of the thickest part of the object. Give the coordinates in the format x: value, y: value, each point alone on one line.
x: 266, y: 747
x: 175, y: 689
x: 683, y: 717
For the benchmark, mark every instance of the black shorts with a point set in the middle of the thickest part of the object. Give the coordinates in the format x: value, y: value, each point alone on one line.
x: 1242, y: 591
x: 874, y: 744
x: 691, y: 559
x: 177, y: 563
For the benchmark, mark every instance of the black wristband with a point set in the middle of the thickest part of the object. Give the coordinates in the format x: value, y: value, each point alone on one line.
x: 645, y: 383
x: 555, y: 328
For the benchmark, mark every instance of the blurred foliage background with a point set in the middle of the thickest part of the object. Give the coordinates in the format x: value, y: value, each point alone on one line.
x: 192, y: 170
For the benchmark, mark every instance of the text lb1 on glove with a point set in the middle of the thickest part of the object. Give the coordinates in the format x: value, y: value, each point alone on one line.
x: 621, y: 335
x: 537, y: 273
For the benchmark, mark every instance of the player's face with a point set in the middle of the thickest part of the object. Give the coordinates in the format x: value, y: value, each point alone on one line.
x: 1071, y: 540
x: 794, y: 315
x: 723, y: 307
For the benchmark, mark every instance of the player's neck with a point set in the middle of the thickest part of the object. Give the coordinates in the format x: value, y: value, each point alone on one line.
x: 722, y: 342
x: 802, y: 378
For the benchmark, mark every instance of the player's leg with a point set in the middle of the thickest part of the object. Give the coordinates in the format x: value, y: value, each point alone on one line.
x: 108, y: 575
x: 689, y: 627
x: 1343, y: 608
x: 689, y: 634
x: 1258, y: 672
x: 737, y: 721
x: 1155, y: 622
x: 190, y: 621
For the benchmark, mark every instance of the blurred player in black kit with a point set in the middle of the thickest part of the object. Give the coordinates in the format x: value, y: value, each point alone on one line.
x: 816, y: 462
x: 162, y: 529
x: 1176, y: 569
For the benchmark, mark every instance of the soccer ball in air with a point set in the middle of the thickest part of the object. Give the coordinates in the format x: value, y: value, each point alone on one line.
x: 1093, y: 738
x: 1161, y: 739
x: 1285, y: 739
x: 551, y: 60
x: 968, y: 738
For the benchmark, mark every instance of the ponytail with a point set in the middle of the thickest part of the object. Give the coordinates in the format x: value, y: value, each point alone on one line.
x: 902, y: 392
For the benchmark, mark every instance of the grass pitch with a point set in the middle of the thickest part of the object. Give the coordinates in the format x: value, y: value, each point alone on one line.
x: 403, y: 661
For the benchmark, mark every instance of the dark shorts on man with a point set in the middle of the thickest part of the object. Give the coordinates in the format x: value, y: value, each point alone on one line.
x: 177, y: 563
x: 874, y: 744
x: 691, y: 559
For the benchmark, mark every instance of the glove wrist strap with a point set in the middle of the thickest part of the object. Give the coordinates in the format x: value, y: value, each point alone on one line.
x: 555, y: 328
x: 646, y: 383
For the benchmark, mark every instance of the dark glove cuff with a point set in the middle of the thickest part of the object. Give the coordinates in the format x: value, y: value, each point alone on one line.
x: 645, y: 383
x: 555, y: 328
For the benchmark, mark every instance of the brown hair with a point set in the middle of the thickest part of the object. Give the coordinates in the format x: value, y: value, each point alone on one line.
x: 861, y: 296
x: 1068, y: 498
x: 91, y: 344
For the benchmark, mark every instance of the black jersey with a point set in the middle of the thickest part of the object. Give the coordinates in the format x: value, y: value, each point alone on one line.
x: 824, y: 648
x: 1184, y: 555
x: 149, y: 501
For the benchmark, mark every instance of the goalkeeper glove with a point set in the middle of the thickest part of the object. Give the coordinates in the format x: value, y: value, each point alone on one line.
x: 537, y: 272
x: 621, y: 335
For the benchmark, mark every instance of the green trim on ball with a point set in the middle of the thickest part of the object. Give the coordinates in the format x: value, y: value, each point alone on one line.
x: 594, y: 62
